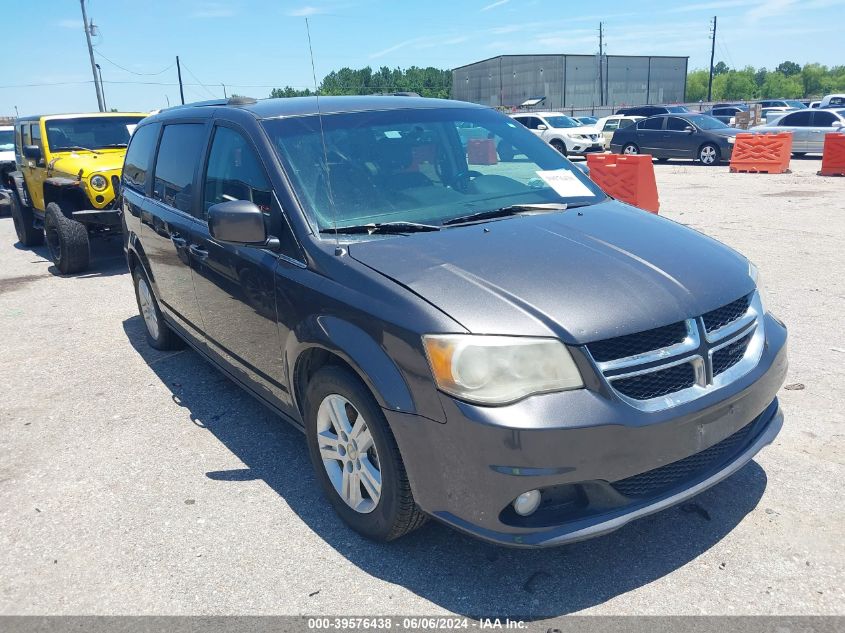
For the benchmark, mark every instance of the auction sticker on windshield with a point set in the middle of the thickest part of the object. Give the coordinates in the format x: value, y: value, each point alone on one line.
x: 565, y: 183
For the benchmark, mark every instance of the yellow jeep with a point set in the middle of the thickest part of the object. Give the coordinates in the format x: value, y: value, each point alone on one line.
x: 67, y: 180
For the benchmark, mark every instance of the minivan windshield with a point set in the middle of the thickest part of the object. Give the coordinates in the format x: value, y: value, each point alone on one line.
x: 420, y: 165
x: 90, y: 133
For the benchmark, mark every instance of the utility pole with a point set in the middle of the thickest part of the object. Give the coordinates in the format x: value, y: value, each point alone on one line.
x: 102, y: 88
x: 88, y: 27
x: 224, y: 91
x: 179, y: 72
x: 601, y: 72
x: 712, y: 54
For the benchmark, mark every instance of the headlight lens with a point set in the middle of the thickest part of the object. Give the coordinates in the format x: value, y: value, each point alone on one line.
x: 499, y: 369
x: 754, y: 273
x: 99, y: 182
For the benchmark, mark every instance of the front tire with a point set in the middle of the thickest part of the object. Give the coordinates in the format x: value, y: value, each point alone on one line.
x: 559, y: 146
x: 356, y: 459
x: 159, y: 334
x: 709, y: 155
x: 67, y: 241
x: 630, y: 149
x: 23, y: 218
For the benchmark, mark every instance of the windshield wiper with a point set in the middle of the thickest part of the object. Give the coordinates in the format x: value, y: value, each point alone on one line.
x: 514, y: 209
x: 110, y: 145
x: 383, y: 227
x: 73, y: 148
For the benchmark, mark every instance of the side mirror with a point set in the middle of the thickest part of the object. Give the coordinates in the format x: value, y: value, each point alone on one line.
x: 32, y: 152
x: 689, y: 129
x: 542, y: 127
x: 238, y: 222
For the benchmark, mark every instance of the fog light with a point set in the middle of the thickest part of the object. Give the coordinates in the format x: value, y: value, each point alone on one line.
x: 527, y: 502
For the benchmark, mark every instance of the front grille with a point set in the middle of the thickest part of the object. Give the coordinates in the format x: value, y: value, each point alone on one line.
x: 657, y: 383
x: 653, y: 482
x: 730, y: 355
x: 639, y: 343
x: 720, y: 317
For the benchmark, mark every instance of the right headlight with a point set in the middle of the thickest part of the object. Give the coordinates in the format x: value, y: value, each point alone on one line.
x: 499, y: 369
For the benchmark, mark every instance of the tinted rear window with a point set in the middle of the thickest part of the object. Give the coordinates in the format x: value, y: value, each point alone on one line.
x: 138, y: 157
x: 178, y: 155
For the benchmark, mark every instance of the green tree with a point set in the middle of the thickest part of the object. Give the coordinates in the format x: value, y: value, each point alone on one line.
x: 428, y: 82
x: 697, y: 85
x: 778, y: 85
x: 788, y: 68
x: 720, y: 68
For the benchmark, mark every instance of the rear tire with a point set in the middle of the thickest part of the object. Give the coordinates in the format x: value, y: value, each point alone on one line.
x: 67, y: 241
x: 390, y: 510
x: 23, y: 219
x: 159, y: 334
x: 559, y: 146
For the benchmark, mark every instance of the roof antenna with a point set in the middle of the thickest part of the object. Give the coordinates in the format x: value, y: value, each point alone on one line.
x: 338, y: 251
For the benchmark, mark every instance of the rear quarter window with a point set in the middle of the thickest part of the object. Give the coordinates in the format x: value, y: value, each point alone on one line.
x: 139, y: 156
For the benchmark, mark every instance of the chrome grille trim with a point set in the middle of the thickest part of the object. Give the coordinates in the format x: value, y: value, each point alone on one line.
x: 697, y: 349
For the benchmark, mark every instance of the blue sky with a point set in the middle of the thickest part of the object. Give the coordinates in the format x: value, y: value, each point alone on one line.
x: 253, y: 45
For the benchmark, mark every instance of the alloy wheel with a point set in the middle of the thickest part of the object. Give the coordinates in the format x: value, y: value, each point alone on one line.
x: 147, y: 306
x: 630, y: 150
x: 708, y: 154
x: 349, y: 454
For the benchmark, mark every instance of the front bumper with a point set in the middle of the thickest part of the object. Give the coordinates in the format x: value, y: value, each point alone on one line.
x: 595, y: 458
x: 585, y: 147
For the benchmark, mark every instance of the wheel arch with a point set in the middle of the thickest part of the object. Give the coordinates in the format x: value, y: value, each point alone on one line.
x: 329, y: 340
x: 63, y: 191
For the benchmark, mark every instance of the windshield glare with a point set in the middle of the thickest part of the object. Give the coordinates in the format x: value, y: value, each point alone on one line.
x: 418, y: 165
x: 562, y: 121
x: 90, y: 133
x: 7, y: 140
x: 706, y: 122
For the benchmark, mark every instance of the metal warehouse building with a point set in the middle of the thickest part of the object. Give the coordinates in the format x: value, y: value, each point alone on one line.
x: 572, y: 81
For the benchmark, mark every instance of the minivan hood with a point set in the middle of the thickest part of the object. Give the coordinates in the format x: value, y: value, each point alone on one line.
x: 580, y: 275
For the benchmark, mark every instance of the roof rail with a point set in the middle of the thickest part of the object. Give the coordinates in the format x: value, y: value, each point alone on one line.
x: 231, y: 101
x: 396, y: 94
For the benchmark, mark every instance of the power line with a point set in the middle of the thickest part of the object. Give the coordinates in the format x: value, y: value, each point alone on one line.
x: 114, y: 63
x: 213, y: 96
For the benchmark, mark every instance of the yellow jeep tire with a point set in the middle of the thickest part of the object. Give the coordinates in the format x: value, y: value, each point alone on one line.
x: 67, y: 241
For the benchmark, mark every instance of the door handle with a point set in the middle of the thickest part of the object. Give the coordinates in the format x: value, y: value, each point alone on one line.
x: 178, y: 242
x: 198, y: 251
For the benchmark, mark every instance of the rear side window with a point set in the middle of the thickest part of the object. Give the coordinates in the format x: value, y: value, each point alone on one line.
x: 824, y: 119
x: 651, y: 124
x: 178, y: 155
x: 36, y: 135
x: 138, y: 157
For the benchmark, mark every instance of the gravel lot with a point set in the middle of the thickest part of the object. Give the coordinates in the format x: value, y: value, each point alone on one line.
x: 137, y: 482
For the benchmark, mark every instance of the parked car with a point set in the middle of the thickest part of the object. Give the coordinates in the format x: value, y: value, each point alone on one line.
x: 651, y: 110
x: 67, y: 181
x: 833, y: 101
x: 695, y: 136
x: 795, y: 104
x: 808, y: 128
x: 727, y: 113
x: 563, y: 133
x: 815, y: 104
x: 609, y: 124
x: 502, y: 346
x: 586, y: 120
x: 7, y: 165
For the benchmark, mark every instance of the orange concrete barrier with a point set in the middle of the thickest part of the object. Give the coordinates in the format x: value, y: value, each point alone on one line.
x: 762, y: 153
x: 482, y: 151
x: 833, y: 159
x: 629, y: 178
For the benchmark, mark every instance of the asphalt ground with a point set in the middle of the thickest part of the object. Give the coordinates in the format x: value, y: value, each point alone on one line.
x: 134, y: 481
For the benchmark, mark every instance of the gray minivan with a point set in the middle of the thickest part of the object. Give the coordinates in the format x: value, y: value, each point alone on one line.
x: 497, y: 345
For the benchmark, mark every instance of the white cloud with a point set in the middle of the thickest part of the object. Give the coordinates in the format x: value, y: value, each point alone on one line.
x: 304, y: 12
x: 493, y: 5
